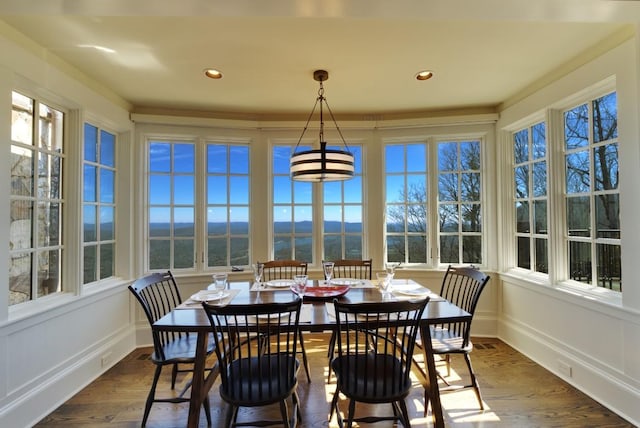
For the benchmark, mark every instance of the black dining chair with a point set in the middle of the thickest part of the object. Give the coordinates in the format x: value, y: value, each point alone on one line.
x: 461, y: 286
x: 347, y: 268
x: 256, y: 348
x: 375, y: 343
x: 352, y: 268
x: 158, y: 294
x: 287, y: 269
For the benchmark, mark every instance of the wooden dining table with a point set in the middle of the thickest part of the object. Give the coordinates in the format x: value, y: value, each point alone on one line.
x: 193, y: 319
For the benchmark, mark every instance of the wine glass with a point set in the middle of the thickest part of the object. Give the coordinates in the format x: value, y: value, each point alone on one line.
x: 300, y: 284
x: 384, y: 282
x: 258, y: 270
x: 328, y: 271
x: 220, y: 282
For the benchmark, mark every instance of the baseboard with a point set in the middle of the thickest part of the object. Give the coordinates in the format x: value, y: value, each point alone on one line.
x: 65, y: 380
x: 607, y: 386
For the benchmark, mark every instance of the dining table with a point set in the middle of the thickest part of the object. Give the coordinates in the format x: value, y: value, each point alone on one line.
x: 190, y: 317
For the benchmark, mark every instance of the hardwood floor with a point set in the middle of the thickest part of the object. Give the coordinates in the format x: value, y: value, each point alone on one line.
x: 516, y: 391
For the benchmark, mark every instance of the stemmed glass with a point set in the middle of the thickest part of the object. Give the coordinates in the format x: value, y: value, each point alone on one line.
x: 300, y: 284
x: 258, y: 270
x: 328, y: 271
x: 384, y: 282
x: 220, y: 282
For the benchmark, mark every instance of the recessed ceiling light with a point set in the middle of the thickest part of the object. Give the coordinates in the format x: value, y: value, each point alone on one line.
x: 213, y: 73
x: 424, y: 75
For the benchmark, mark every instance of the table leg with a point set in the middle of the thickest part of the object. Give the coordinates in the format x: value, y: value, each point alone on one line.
x: 198, y: 390
x: 431, y: 378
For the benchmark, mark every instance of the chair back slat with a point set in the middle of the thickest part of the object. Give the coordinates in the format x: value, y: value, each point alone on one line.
x: 463, y: 286
x: 283, y: 269
x: 352, y: 268
x: 256, y: 348
x: 158, y: 294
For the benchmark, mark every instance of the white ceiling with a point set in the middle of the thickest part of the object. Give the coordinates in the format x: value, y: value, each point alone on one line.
x: 152, y: 53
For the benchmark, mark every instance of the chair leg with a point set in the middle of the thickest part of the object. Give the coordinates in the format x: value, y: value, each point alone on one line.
x: 207, y: 409
x: 296, y: 407
x: 174, y: 375
x: 305, y: 362
x: 330, y: 352
x: 404, y: 414
x: 152, y: 394
x: 284, y: 412
x: 474, y: 381
x: 352, y: 413
x: 334, y: 404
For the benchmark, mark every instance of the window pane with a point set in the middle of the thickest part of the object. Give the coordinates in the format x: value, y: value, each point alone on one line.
x: 107, y: 226
x: 395, y: 188
x: 608, y: 216
x: 184, y: 190
x: 606, y: 167
x: 21, y: 171
x: 160, y: 157
x: 394, y: 158
x: 159, y: 186
x: 239, y: 190
x: 49, y: 225
x: 609, y: 266
x: 578, y: 176
x: 303, y: 249
x: 183, y: 222
x: 353, y: 190
x: 540, y: 216
x: 522, y: 216
x: 470, y: 156
x: 107, y: 261
x: 472, y: 249
x: 448, y: 157
x: 107, y: 148
x: 20, y: 232
x: 521, y: 176
x: 449, y: 219
x: 183, y: 253
x: 90, y: 264
x: 524, y: 252
x: 159, y: 222
x: 90, y: 225
x: 470, y: 187
x: 416, y: 157
x: 395, y: 249
x: 580, y: 261
x: 217, y: 251
x: 90, y: 142
x: 239, y: 160
x: 539, y: 179
x: 22, y: 119
x: 542, y: 261
x: 449, y: 248
x: 521, y: 146
x: 89, y: 184
x: 159, y: 254
x: 332, y: 192
x: 217, y: 158
x: 417, y: 248
x: 578, y: 216
x: 332, y: 247
x: 605, y: 118
x: 49, y: 271
x: 239, y: 251
x: 107, y: 183
x: 20, y: 278
x: 184, y: 158
x: 448, y: 187
x: 576, y: 122
x: 538, y: 133
x: 281, y: 159
x: 472, y: 219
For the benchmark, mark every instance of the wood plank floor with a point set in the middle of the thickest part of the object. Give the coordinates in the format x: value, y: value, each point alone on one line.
x: 516, y: 392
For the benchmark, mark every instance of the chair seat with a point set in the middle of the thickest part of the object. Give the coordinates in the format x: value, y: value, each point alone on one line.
x: 444, y: 341
x: 251, y: 381
x: 371, y: 379
x: 181, y: 350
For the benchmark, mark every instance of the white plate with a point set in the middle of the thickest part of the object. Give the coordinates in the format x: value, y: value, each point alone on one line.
x: 345, y: 281
x: 207, y: 295
x: 280, y: 283
x: 421, y: 291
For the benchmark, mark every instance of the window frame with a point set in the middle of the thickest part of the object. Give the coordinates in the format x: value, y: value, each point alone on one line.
x: 35, y: 199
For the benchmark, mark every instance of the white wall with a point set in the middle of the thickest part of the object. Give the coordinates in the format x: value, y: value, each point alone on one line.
x: 557, y: 325
x: 49, y: 350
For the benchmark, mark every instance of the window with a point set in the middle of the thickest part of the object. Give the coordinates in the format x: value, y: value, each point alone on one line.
x: 227, y: 205
x: 406, y: 202
x: 530, y: 190
x: 35, y: 239
x: 459, y: 202
x: 174, y: 203
x: 98, y: 204
x: 592, y: 194
x: 292, y: 210
x: 342, y: 214
x: 171, y: 204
